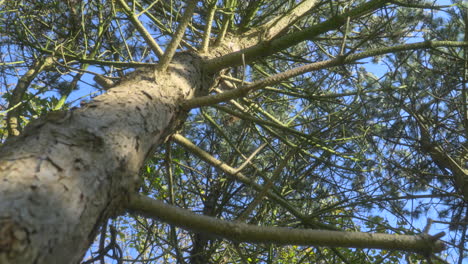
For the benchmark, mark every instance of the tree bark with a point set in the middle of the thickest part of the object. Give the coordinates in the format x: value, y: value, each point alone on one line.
x: 70, y: 171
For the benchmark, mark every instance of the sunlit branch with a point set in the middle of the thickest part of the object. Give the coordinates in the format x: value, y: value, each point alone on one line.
x: 209, y: 22
x: 11, y: 63
x: 249, y: 159
x: 145, y: 10
x: 177, y: 37
x: 341, y: 60
x: 145, y: 34
x: 161, y: 25
x: 241, y: 232
x: 282, y: 22
x: 417, y: 5
x: 227, y: 20
x: 265, y: 48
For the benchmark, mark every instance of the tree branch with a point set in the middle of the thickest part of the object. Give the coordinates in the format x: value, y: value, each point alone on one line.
x: 274, y: 79
x: 177, y: 37
x: 235, y: 174
x: 18, y: 93
x: 241, y: 232
x: 207, y: 31
x: 277, y: 25
x: 262, y: 48
x: 144, y: 33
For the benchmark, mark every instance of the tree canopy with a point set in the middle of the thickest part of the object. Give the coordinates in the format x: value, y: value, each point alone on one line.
x: 317, y: 115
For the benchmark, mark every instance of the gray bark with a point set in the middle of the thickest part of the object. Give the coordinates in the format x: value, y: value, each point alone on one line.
x: 71, y: 171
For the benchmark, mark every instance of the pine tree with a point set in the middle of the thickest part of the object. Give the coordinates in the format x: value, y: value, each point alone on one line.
x: 233, y: 131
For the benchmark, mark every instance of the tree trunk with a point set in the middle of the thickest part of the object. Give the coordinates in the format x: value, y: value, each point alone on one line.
x: 71, y: 171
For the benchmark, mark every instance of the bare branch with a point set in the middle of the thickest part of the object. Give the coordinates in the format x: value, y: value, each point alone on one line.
x: 177, y: 37
x: 241, y: 232
x: 209, y: 22
x: 12, y: 119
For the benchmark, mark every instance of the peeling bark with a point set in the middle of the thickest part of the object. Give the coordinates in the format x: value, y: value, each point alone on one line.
x: 70, y: 171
